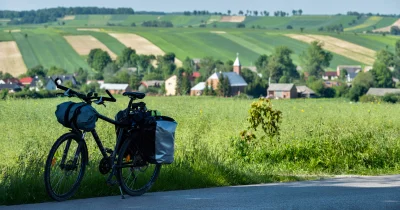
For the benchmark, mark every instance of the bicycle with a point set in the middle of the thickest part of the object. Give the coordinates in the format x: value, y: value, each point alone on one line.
x: 126, y: 161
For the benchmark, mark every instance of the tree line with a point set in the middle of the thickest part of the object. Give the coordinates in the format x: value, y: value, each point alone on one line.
x: 51, y: 14
x: 354, y: 13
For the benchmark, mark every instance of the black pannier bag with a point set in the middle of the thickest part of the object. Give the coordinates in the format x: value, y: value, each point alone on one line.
x: 78, y: 115
x: 156, y: 136
x: 157, y: 139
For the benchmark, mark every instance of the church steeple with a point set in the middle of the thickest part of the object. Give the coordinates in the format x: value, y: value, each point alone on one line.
x: 236, y: 65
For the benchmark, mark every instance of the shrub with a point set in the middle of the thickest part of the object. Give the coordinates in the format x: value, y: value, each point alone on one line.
x: 289, y: 27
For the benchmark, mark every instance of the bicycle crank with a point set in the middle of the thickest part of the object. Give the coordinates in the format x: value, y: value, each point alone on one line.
x: 105, y: 166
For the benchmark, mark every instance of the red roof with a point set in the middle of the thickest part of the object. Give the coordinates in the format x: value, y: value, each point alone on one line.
x: 26, y: 80
x: 196, y: 74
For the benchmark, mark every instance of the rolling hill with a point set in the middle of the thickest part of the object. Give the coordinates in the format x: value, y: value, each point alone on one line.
x: 48, y: 45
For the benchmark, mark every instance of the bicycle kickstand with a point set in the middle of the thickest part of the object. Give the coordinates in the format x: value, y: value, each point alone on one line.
x: 122, y: 194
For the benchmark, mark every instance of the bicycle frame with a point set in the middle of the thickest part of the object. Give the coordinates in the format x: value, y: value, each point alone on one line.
x: 100, y: 144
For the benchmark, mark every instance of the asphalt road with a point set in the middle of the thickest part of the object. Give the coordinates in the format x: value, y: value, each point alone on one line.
x: 374, y: 192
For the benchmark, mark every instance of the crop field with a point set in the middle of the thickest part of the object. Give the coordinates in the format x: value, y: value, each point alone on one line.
x: 306, y: 22
x: 318, y: 138
x: 48, y: 49
x: 373, y: 20
x: 268, y: 42
x: 386, y: 24
x: 141, y: 45
x: 82, y: 44
x: 374, y: 42
x: 347, y: 49
x: 11, y: 59
x: 199, y: 45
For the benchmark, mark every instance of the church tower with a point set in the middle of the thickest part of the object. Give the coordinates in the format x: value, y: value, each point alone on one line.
x: 236, y: 65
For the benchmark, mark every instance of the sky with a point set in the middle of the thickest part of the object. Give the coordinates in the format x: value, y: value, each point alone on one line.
x: 308, y: 6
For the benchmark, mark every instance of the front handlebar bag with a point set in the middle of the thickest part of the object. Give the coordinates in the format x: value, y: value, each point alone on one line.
x: 80, y: 116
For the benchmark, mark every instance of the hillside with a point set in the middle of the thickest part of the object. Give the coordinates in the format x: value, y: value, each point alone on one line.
x: 308, y: 22
x: 50, y: 44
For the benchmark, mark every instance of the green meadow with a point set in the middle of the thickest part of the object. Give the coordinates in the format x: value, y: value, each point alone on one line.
x: 318, y: 138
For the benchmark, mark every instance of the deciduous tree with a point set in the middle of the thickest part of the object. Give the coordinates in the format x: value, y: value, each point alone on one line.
x: 315, y: 59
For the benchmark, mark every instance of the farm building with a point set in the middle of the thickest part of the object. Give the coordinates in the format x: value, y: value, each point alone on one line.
x: 282, y: 91
x: 116, y: 88
x: 305, y: 92
x: 198, y: 89
x: 382, y: 91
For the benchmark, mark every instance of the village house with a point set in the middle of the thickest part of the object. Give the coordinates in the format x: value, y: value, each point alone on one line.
x: 198, y: 89
x: 170, y: 85
x: 11, y: 81
x: 10, y: 87
x: 152, y: 83
x: 330, y: 75
x: 26, y: 81
x: 115, y: 88
x: 352, y: 71
x: 283, y: 90
x: 50, y: 85
x: 382, y: 91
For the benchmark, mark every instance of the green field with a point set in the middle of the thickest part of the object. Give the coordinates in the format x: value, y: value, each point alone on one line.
x: 48, y: 49
x: 5, y: 36
x: 374, y: 42
x: 318, y: 138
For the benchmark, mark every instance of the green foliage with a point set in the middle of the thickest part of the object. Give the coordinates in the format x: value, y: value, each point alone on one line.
x: 315, y: 59
x: 100, y: 60
x: 362, y: 82
x: 3, y: 94
x: 126, y: 56
x: 157, y: 23
x: 281, y: 64
x: 382, y: 75
x: 256, y: 86
x: 56, y: 71
x: 223, y: 87
x: 395, y: 30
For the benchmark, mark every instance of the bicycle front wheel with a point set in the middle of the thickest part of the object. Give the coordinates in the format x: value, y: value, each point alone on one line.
x: 135, y: 175
x: 65, y: 167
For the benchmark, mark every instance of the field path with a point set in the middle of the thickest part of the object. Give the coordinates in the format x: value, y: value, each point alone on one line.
x: 82, y: 44
x: 11, y: 59
x: 140, y: 44
x: 387, y: 28
x: 359, y: 192
x: 338, y: 46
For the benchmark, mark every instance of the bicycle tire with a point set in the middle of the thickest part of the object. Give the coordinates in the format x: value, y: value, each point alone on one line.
x: 127, y: 149
x: 51, y: 160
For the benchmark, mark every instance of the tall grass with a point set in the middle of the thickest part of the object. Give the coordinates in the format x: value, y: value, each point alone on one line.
x: 318, y: 138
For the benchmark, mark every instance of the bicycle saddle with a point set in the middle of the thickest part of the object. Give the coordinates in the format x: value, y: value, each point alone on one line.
x: 134, y: 94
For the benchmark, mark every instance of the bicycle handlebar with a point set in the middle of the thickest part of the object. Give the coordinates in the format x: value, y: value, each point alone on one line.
x: 84, y: 97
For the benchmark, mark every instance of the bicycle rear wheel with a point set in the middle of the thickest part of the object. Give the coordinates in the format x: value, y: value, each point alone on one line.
x: 135, y: 175
x: 65, y: 167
